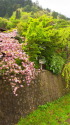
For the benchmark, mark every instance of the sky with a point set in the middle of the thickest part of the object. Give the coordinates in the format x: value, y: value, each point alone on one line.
x: 61, y: 6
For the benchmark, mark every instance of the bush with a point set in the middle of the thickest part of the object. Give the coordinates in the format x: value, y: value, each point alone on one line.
x: 22, y: 28
x: 3, y: 22
x: 66, y: 72
x: 15, y: 67
x: 56, y: 64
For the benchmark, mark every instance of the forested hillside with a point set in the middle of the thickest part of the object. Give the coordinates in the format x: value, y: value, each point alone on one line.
x: 8, y: 6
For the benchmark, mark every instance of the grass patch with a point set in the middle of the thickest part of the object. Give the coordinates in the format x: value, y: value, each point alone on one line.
x: 54, y: 113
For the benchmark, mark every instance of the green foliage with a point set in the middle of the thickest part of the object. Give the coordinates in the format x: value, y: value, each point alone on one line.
x: 22, y: 28
x: 18, y: 61
x: 13, y: 22
x: 25, y: 16
x: 44, y: 36
x: 27, y: 8
x: 53, y: 113
x: 66, y: 72
x: 65, y: 36
x: 10, y: 25
x: 58, y: 15
x: 18, y: 14
x: 61, y: 23
x: 7, y: 7
x: 56, y: 64
x: 54, y: 14
x: 41, y: 38
x: 3, y: 22
x: 36, y: 34
x: 19, y: 39
x: 38, y: 14
x: 23, y: 22
x: 35, y: 37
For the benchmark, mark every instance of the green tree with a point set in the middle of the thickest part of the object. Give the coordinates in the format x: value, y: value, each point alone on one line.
x: 3, y: 22
x: 18, y: 14
x: 41, y: 38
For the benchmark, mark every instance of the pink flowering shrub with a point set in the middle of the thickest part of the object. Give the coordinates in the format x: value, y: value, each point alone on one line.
x: 15, y: 66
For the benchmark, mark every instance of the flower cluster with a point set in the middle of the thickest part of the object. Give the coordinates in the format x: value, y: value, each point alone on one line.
x: 15, y: 66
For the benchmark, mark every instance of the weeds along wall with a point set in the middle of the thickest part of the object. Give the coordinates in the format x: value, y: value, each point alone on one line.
x: 45, y: 88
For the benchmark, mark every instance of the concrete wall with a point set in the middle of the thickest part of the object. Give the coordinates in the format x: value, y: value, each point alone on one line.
x: 46, y: 88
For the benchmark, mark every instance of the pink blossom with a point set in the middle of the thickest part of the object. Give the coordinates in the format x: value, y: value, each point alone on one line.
x: 10, y: 68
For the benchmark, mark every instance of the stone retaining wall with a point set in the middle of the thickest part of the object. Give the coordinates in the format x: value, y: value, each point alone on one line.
x: 46, y: 88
